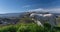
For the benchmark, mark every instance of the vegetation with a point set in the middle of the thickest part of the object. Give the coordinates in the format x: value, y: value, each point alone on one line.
x: 29, y: 28
x: 58, y: 21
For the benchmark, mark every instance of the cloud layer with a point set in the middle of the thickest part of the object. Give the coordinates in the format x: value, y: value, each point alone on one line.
x: 54, y: 10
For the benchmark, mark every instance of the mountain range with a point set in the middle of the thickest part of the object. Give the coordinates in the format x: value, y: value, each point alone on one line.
x: 20, y: 14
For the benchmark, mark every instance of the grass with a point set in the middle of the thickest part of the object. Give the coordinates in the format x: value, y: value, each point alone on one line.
x: 31, y: 27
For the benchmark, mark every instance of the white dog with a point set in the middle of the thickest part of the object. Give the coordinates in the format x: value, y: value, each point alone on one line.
x: 40, y: 19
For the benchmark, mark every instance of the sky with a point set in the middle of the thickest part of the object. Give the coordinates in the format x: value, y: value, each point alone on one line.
x: 17, y: 6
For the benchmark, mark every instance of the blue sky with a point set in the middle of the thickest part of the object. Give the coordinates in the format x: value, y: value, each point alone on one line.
x: 16, y: 6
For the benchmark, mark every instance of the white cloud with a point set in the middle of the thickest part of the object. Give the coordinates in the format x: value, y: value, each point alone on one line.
x: 39, y: 9
x: 57, y: 10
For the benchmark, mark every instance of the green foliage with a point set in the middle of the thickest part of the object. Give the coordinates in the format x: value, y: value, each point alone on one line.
x: 8, y: 29
x: 31, y: 27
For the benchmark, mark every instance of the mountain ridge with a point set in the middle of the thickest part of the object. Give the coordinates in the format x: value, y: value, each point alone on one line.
x: 20, y: 14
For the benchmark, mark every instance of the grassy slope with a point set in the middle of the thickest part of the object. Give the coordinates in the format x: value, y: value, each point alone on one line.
x: 28, y: 28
